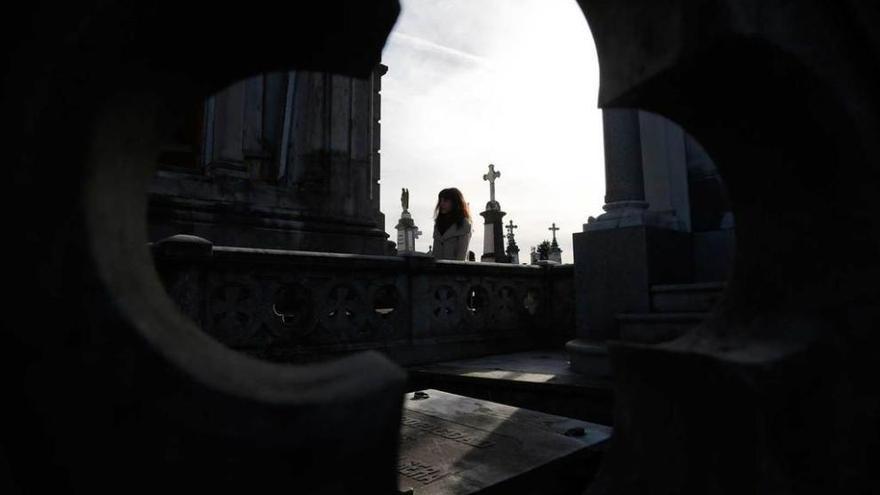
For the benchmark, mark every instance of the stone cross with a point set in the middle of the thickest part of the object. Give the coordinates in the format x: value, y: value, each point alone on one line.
x: 491, y: 176
x: 554, y: 228
x: 510, y: 228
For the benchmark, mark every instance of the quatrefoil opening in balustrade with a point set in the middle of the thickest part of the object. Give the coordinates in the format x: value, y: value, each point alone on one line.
x: 507, y: 304
x: 477, y: 301
x: 531, y: 301
x: 385, y: 301
x: 342, y: 302
x: 444, y: 301
x: 230, y: 312
x: 293, y: 305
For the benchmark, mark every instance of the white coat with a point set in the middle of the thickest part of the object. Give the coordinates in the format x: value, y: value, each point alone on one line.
x: 453, y: 244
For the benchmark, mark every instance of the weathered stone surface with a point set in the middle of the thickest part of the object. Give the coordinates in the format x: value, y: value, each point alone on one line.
x: 623, y: 156
x: 299, y: 306
x: 614, y: 271
x: 540, y: 380
x: 455, y: 445
x: 493, y: 236
x: 313, y: 190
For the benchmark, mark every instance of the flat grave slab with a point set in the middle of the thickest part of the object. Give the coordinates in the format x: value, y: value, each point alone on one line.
x: 538, y: 379
x: 456, y: 445
x: 546, y: 367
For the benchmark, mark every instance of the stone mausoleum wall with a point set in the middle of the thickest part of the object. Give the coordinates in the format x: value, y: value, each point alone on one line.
x: 282, y: 160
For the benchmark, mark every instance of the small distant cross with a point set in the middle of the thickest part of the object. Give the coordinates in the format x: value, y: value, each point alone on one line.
x: 554, y: 228
x: 491, y: 176
x: 510, y: 228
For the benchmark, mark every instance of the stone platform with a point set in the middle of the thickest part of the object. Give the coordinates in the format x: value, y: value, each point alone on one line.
x: 455, y: 445
x: 539, y: 380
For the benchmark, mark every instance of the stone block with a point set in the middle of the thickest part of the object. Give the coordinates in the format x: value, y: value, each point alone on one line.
x: 589, y: 358
x: 614, y: 271
x: 685, y: 298
x: 456, y: 445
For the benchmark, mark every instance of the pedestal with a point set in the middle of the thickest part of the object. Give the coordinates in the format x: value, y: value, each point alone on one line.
x: 493, y: 237
x: 513, y: 256
x: 407, y: 233
x: 613, y: 273
x: 555, y: 254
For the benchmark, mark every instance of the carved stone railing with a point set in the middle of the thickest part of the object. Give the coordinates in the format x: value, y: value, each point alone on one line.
x: 298, y: 306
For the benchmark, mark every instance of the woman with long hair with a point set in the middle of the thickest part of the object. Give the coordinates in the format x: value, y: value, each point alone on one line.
x: 452, y: 226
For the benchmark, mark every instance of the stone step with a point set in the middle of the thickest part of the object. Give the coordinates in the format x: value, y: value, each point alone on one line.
x: 686, y: 298
x: 653, y: 328
x: 538, y: 380
x: 456, y: 445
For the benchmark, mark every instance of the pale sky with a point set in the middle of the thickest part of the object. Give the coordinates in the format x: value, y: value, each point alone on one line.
x: 509, y: 82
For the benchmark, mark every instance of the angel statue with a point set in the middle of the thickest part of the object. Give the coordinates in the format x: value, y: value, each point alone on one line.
x: 404, y: 199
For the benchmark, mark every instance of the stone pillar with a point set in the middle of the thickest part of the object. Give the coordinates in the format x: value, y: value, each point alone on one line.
x: 227, y: 125
x: 407, y: 233
x: 513, y: 254
x: 624, y: 178
x: 555, y: 252
x: 376, y: 140
x: 512, y: 250
x: 493, y: 236
x: 624, y: 251
x: 666, y: 170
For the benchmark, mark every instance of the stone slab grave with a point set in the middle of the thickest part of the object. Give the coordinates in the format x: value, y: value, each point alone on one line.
x: 456, y: 445
x: 537, y: 379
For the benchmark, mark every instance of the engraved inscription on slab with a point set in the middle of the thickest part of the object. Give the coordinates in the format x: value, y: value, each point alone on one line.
x: 424, y: 423
x: 455, y: 445
x: 419, y: 471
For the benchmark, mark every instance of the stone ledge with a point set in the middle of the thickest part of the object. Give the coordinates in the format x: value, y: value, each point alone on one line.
x: 540, y: 380
x: 703, y: 286
x: 589, y: 358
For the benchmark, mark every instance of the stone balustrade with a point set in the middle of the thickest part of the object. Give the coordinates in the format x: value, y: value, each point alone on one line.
x: 297, y: 306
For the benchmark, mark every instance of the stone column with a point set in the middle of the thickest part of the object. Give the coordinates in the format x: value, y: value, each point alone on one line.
x: 624, y: 178
x: 375, y: 140
x: 493, y: 236
x: 620, y: 254
x: 227, y: 125
x: 555, y: 253
x: 407, y: 233
x: 513, y: 254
